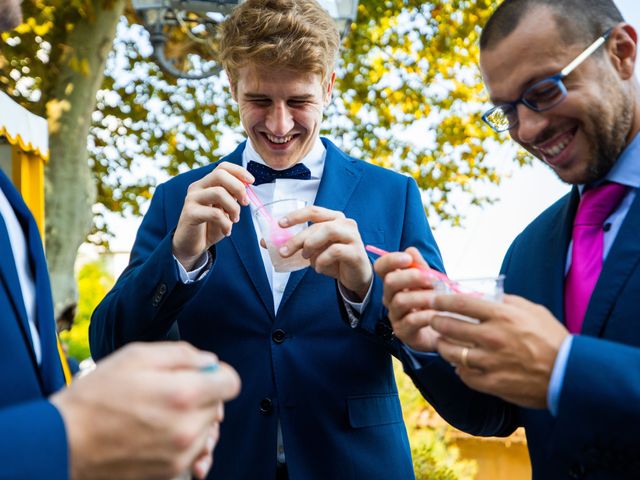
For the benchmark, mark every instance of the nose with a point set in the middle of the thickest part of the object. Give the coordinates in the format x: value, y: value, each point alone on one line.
x: 279, y: 119
x: 530, y: 125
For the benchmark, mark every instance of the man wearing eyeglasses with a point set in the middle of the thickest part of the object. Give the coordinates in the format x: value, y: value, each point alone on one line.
x: 561, y: 355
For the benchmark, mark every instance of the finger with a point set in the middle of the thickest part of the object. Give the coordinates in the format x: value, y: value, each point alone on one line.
x: 322, y: 236
x: 417, y: 256
x: 263, y: 244
x: 411, y: 322
x: 312, y: 213
x: 456, y: 330
x: 235, y: 170
x: 407, y: 279
x: 519, y: 302
x: 406, y: 301
x: 334, y: 258
x: 218, y: 197
x: 164, y: 355
x: 231, y: 177
x: 467, y: 305
x: 203, y: 462
x: 453, y: 353
x: 391, y: 262
x: 199, y: 214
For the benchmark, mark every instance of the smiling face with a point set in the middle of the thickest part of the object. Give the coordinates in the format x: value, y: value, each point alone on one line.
x: 581, y: 138
x: 281, y: 111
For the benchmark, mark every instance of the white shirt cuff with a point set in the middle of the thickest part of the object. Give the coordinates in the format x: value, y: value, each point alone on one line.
x: 351, y: 306
x: 197, y: 272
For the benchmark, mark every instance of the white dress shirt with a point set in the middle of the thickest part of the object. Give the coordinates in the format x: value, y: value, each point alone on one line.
x: 25, y: 276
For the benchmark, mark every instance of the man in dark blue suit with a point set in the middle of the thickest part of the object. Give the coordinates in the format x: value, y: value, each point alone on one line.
x: 312, y: 347
x: 146, y: 412
x: 561, y: 355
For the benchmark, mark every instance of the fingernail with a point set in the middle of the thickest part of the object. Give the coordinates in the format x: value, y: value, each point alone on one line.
x: 405, y: 258
x: 245, y: 200
x: 249, y: 178
x: 284, y: 250
x: 284, y: 222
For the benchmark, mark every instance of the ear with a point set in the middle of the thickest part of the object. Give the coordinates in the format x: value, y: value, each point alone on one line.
x: 623, y: 47
x: 329, y: 89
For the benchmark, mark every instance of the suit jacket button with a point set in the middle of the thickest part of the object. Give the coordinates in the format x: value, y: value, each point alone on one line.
x: 278, y: 336
x: 162, y: 289
x: 266, y: 406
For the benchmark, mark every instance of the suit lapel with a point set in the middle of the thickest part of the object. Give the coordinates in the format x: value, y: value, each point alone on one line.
x: 8, y: 271
x: 244, y: 240
x: 620, y: 262
x: 340, y: 177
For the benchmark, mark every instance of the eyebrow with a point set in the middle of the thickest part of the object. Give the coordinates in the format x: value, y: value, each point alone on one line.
x: 250, y: 95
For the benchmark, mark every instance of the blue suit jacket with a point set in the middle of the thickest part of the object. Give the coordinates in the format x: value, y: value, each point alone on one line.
x: 331, y: 387
x: 33, y: 443
x: 595, y: 434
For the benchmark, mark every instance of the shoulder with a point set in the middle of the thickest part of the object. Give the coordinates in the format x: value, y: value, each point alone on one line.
x: 182, y: 181
x: 367, y: 168
x: 549, y: 219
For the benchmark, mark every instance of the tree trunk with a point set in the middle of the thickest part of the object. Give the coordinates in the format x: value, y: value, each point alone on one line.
x: 70, y: 191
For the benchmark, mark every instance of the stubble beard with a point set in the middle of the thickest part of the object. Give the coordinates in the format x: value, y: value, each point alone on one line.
x: 609, y: 136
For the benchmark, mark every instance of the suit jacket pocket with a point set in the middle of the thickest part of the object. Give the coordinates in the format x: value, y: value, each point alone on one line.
x: 372, y: 410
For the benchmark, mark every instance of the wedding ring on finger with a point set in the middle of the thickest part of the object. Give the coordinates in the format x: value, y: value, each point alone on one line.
x: 464, y: 357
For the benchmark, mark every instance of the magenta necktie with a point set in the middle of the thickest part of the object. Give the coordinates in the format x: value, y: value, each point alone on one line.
x: 595, y: 206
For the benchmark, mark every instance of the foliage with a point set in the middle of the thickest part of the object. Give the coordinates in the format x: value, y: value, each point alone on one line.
x: 407, y: 71
x: 93, y: 284
x: 434, y: 457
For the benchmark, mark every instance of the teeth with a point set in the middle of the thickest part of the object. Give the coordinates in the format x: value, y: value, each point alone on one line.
x: 555, y: 149
x: 279, y: 139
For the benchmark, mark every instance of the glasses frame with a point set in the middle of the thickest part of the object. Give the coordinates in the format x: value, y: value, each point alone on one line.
x: 556, y: 79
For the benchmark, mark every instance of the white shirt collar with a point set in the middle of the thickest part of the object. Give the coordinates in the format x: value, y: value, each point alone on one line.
x: 314, y: 160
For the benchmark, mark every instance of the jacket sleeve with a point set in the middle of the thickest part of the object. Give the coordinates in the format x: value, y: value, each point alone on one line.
x: 468, y: 410
x: 148, y: 295
x: 33, y: 444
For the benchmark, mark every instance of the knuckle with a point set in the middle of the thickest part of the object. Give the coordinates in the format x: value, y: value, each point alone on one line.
x: 183, y: 399
x: 183, y: 438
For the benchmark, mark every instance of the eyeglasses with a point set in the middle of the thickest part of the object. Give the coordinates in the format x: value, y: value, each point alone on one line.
x: 540, y: 96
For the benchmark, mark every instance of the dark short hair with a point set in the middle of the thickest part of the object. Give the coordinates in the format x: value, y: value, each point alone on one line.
x: 579, y: 20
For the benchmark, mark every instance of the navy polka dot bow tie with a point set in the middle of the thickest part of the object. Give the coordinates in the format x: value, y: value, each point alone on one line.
x: 265, y: 174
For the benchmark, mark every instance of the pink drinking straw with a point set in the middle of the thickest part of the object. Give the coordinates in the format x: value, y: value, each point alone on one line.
x: 439, y: 275
x: 279, y: 236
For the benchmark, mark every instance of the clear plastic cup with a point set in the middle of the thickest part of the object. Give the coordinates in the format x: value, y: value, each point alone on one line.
x: 486, y: 288
x: 275, y: 236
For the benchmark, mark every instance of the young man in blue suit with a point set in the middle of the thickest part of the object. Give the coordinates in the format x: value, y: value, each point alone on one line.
x: 146, y: 412
x: 312, y: 347
x: 561, y: 355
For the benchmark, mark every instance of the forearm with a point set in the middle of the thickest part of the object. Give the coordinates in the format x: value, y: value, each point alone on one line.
x: 143, y: 305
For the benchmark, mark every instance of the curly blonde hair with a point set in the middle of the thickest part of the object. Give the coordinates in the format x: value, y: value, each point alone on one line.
x: 293, y: 34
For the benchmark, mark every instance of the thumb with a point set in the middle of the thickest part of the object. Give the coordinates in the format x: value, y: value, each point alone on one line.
x: 164, y: 355
x: 417, y: 256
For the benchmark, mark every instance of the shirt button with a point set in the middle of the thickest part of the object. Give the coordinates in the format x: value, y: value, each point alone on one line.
x: 279, y: 336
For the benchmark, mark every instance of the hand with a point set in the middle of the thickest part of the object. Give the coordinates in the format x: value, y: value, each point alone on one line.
x: 211, y: 207
x: 514, y: 347
x: 406, y: 295
x: 145, y: 412
x: 333, y: 246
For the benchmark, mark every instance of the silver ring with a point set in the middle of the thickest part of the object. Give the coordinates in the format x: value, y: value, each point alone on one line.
x: 464, y: 357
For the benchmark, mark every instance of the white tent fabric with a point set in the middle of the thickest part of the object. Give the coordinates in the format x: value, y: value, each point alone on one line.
x: 23, y: 128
